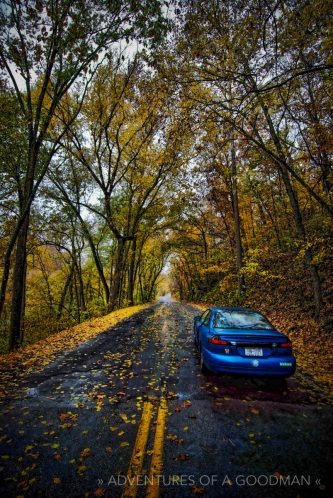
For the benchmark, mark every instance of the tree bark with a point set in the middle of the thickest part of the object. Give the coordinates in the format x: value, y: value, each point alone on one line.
x: 300, y: 228
x: 64, y: 292
x: 18, y: 292
x: 91, y: 243
x: 119, y: 263
x: 131, y: 273
x: 237, y: 221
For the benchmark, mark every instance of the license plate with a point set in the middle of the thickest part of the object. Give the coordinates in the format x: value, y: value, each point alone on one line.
x: 253, y: 352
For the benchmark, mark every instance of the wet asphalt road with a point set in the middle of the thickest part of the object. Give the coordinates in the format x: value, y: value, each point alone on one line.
x: 71, y: 430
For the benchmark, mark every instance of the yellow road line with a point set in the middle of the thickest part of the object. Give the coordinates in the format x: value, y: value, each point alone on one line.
x: 156, y: 465
x: 135, y: 466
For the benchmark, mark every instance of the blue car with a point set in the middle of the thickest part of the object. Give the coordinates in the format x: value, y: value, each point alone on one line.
x: 242, y: 341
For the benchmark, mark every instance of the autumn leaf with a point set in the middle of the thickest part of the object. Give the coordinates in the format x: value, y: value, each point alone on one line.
x: 85, y: 452
x: 99, y: 492
x: 66, y: 426
x: 23, y: 485
x: 81, y: 469
x: 175, y: 438
x: 182, y: 457
x: 67, y: 415
x: 198, y: 490
x: 34, y: 455
x: 254, y: 411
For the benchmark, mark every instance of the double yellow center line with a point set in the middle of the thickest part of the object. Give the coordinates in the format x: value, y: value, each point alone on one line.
x: 139, y: 450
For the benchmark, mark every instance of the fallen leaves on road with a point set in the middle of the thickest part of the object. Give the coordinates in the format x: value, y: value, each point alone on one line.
x: 99, y: 492
x: 175, y: 438
x: 81, y: 469
x: 198, y: 490
x: 182, y: 457
x: 67, y: 415
x: 19, y: 364
x: 85, y: 452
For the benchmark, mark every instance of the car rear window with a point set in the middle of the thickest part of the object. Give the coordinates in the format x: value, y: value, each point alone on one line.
x: 241, y: 320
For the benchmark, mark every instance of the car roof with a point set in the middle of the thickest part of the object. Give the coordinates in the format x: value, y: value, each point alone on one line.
x: 228, y: 308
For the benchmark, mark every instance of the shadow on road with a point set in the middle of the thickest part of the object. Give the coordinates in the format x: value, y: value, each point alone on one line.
x: 293, y: 390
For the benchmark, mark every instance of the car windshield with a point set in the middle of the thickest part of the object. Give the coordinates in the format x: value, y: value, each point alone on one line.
x: 241, y: 320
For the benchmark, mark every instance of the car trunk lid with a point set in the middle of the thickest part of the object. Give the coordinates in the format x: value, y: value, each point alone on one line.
x: 253, y: 343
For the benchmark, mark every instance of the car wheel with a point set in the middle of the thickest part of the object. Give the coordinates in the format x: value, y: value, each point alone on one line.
x: 203, y: 367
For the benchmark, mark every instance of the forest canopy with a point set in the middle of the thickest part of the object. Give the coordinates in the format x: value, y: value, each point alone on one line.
x: 153, y: 146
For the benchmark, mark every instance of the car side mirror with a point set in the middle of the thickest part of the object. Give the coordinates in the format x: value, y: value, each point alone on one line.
x: 197, y: 318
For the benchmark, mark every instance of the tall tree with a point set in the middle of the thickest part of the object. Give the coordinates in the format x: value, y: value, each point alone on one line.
x: 245, y: 57
x: 45, y: 47
x: 129, y: 143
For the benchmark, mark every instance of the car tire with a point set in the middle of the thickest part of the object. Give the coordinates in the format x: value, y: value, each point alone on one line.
x: 203, y: 369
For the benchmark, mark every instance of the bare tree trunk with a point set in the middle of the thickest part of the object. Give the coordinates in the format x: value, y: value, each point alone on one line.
x: 19, y: 274
x: 114, y: 295
x: 47, y: 282
x: 324, y: 162
x: 18, y: 292
x: 64, y: 292
x: 5, y: 274
x: 80, y: 281
x: 237, y: 222
x: 77, y: 297
x: 131, y: 273
x: 300, y: 229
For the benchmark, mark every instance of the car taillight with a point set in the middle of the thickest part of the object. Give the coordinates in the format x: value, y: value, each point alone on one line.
x: 286, y: 345
x: 216, y: 340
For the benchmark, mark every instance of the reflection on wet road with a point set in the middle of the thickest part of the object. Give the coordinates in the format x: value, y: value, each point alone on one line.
x: 129, y: 414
